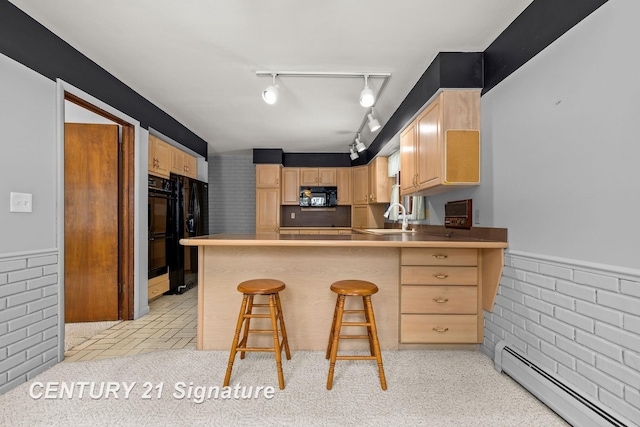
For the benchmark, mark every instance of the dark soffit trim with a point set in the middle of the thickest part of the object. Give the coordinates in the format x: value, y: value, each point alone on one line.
x: 28, y: 42
x: 539, y: 25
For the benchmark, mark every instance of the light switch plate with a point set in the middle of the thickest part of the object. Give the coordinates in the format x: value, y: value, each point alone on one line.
x: 20, y: 202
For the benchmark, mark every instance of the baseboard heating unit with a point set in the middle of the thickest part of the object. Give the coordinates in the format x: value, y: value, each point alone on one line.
x: 574, y: 407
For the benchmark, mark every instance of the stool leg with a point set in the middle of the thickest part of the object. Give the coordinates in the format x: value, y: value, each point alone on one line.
x: 368, y: 320
x: 285, y: 340
x: 376, y: 344
x: 333, y: 325
x: 276, y: 340
x: 245, y: 335
x: 336, y: 338
x: 232, y: 353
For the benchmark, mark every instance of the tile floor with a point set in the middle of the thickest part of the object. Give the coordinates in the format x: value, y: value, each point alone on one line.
x: 171, y: 323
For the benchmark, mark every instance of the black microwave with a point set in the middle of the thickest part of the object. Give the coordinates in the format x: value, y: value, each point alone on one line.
x: 318, y: 197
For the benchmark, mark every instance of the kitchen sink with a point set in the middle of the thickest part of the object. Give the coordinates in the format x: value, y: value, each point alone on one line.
x: 385, y: 231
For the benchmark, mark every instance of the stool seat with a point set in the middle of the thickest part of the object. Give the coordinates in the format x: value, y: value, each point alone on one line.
x: 356, y: 288
x: 261, y: 286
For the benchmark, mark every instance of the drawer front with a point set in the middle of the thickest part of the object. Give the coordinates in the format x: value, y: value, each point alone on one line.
x: 439, y: 329
x: 158, y: 289
x: 439, y: 299
x: 439, y: 256
x: 438, y: 275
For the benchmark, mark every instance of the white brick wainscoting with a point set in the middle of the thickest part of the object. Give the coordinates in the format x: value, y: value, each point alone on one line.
x: 580, y: 321
x: 28, y: 316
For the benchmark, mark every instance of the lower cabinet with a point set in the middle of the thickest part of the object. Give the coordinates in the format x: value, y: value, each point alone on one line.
x: 158, y: 286
x: 440, y: 296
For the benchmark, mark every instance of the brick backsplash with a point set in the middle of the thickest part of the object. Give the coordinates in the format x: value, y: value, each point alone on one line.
x: 28, y: 316
x: 580, y: 322
x: 232, y: 194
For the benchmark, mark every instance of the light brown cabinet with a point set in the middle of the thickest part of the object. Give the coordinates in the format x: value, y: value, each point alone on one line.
x: 183, y: 163
x: 367, y: 216
x: 379, y: 181
x: 267, y: 198
x: 268, y: 176
x: 318, y: 176
x: 440, y: 296
x: 440, y: 149
x: 159, y: 157
x: 158, y: 286
x: 290, y: 186
x: 371, y: 184
x: 343, y: 182
x: 360, y: 175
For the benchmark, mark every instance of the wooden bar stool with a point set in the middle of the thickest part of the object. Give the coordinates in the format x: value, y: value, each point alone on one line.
x: 249, y: 289
x: 355, y: 288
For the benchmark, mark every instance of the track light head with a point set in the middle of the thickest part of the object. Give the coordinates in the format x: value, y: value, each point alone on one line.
x: 374, y: 124
x: 354, y: 154
x: 366, y: 96
x: 270, y: 94
x: 360, y: 147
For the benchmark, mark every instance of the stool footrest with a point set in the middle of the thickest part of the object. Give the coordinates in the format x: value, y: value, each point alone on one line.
x: 260, y: 305
x: 354, y: 337
x: 259, y: 316
x: 356, y: 324
x: 262, y: 331
x: 356, y: 358
x: 353, y: 311
x: 260, y: 349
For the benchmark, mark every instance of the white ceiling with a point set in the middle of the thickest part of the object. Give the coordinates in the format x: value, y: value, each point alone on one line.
x: 197, y: 59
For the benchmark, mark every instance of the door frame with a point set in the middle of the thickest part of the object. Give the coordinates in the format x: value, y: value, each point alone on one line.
x: 129, y: 207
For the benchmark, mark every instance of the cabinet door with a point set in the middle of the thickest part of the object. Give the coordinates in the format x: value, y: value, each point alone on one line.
x: 290, y: 186
x: 359, y: 216
x: 162, y: 154
x: 379, y: 181
x: 360, y: 185
x: 343, y: 182
x: 268, y: 176
x: 327, y: 176
x: 177, y: 161
x: 309, y: 176
x: 429, y: 155
x: 267, y: 210
x: 190, y: 166
x: 408, y: 158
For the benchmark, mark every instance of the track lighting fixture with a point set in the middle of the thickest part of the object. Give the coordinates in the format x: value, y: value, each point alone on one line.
x: 354, y: 154
x: 360, y: 147
x: 374, y: 124
x: 270, y: 94
x: 366, y: 96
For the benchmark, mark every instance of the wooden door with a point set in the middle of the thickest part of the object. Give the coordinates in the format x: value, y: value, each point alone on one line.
x: 290, y: 186
x: 327, y: 176
x: 360, y: 185
x: 91, y: 206
x: 408, y: 160
x: 343, y: 181
x: 309, y: 176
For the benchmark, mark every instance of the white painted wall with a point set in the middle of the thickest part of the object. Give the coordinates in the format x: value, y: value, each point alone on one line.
x: 27, y: 157
x: 561, y: 146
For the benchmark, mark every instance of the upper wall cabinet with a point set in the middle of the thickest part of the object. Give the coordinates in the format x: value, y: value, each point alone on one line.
x: 343, y: 182
x: 440, y: 149
x: 183, y: 163
x: 159, y: 157
x: 268, y: 176
x: 290, y: 186
x: 318, y: 176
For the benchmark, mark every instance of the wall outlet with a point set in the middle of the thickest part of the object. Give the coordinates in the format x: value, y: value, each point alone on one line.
x: 20, y: 202
x: 293, y: 215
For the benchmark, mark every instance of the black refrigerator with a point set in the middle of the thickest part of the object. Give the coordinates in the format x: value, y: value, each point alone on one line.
x: 190, y: 219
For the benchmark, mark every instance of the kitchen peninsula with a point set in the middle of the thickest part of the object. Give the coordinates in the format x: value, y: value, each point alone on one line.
x: 432, y: 288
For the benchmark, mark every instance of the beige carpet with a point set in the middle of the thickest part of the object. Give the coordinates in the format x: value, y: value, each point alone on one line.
x: 426, y: 388
x: 77, y: 333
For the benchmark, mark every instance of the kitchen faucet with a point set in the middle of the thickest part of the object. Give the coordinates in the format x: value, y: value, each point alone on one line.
x: 404, y: 214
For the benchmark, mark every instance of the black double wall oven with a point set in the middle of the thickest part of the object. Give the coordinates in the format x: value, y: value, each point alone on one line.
x: 161, y: 238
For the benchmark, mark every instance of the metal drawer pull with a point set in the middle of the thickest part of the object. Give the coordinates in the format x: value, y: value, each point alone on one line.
x: 438, y: 256
x: 440, y: 300
x: 440, y: 329
x: 440, y: 276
